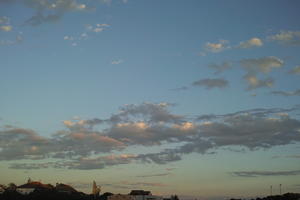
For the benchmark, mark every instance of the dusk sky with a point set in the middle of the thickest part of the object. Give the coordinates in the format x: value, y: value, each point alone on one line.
x: 199, y: 98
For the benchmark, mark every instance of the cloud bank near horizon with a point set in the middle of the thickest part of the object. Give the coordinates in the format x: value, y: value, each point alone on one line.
x: 99, y: 143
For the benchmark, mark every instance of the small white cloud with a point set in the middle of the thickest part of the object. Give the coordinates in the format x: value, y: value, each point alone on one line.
x: 4, y: 20
x: 117, y: 62
x: 102, y: 25
x: 217, y: 47
x: 97, y: 30
x: 295, y: 70
x: 253, y: 42
x: 6, y: 28
x: 81, y: 6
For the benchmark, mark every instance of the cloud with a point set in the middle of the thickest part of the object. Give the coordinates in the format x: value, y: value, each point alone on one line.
x: 295, y: 70
x: 286, y: 37
x: 183, y: 88
x: 256, y: 66
x: 84, y: 144
x: 18, y: 39
x: 116, y: 62
x: 253, y: 42
x: 217, y: 47
x: 221, y: 67
x: 57, y: 9
x: 211, y: 83
x: 49, y: 11
x: 287, y: 93
x: 154, y: 175
x: 143, y: 184
x: 261, y: 65
x: 6, y: 28
x: 4, y: 20
x: 254, y: 82
x: 265, y: 173
x: 89, y: 31
x: 5, y: 24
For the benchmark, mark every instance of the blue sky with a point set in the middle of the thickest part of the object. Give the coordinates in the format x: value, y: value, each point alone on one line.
x: 180, y: 95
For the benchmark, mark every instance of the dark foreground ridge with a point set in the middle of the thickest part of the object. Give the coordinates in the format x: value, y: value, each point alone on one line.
x: 287, y: 196
x: 51, y: 195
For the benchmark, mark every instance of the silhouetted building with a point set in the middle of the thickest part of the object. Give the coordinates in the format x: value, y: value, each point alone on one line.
x: 139, y: 192
x: 143, y: 195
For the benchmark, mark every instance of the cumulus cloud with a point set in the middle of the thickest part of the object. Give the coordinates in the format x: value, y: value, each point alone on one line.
x: 295, y: 70
x: 287, y: 93
x: 286, y: 37
x: 219, y: 46
x: 253, y: 42
x: 211, y: 83
x: 265, y: 173
x: 219, y: 68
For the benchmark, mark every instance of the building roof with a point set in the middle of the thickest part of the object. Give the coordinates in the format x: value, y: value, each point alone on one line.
x: 36, y: 185
x: 64, y: 188
x: 139, y: 192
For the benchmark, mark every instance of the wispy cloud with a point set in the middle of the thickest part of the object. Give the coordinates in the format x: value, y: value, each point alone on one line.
x: 211, y: 83
x: 295, y: 70
x: 265, y: 173
x: 286, y: 37
x: 287, y: 93
x: 154, y: 175
x: 219, y: 68
x: 90, y: 30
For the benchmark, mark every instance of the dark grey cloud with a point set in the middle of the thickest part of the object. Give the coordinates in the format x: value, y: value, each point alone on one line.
x: 211, y: 83
x: 266, y: 173
x: 287, y: 93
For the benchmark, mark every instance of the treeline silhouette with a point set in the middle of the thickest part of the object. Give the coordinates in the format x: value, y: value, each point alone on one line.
x: 287, y: 196
x: 51, y: 195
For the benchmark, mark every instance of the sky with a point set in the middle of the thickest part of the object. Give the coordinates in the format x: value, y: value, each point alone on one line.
x: 195, y: 98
